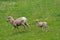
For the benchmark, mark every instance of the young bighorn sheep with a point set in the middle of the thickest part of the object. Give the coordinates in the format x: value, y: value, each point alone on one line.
x: 42, y: 24
x: 18, y: 22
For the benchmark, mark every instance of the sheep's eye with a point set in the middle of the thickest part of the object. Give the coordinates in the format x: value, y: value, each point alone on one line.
x: 8, y: 18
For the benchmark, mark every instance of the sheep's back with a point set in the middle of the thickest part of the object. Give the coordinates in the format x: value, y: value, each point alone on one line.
x: 42, y: 23
x: 19, y: 20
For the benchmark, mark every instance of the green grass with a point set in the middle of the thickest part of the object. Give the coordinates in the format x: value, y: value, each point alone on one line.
x: 44, y: 10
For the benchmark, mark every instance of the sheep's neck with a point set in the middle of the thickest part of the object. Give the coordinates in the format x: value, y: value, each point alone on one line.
x: 38, y: 22
x: 12, y: 21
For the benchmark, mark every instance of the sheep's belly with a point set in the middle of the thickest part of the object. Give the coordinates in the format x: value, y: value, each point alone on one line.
x: 18, y: 24
x: 41, y: 24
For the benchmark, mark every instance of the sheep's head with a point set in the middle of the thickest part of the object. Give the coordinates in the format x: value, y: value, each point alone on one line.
x: 36, y: 20
x: 10, y: 19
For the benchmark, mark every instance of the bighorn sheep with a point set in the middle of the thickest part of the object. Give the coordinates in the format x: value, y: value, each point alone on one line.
x: 18, y: 22
x: 42, y: 24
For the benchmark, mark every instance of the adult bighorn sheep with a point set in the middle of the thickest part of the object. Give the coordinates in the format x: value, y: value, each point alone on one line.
x: 17, y: 22
x: 42, y: 24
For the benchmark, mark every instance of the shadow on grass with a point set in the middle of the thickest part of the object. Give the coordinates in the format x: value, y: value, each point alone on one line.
x: 17, y: 33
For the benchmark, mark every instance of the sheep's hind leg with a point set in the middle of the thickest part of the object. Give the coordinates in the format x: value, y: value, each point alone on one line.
x: 27, y: 25
x: 46, y: 28
x: 24, y: 26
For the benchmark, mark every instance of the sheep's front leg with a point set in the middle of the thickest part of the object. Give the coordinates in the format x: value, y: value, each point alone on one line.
x: 14, y: 28
x: 18, y: 28
x: 42, y: 28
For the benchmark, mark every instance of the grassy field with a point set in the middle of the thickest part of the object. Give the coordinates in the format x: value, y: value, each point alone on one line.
x: 44, y: 10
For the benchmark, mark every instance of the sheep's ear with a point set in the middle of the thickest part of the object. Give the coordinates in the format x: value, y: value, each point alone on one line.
x: 9, y: 15
x: 37, y: 19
